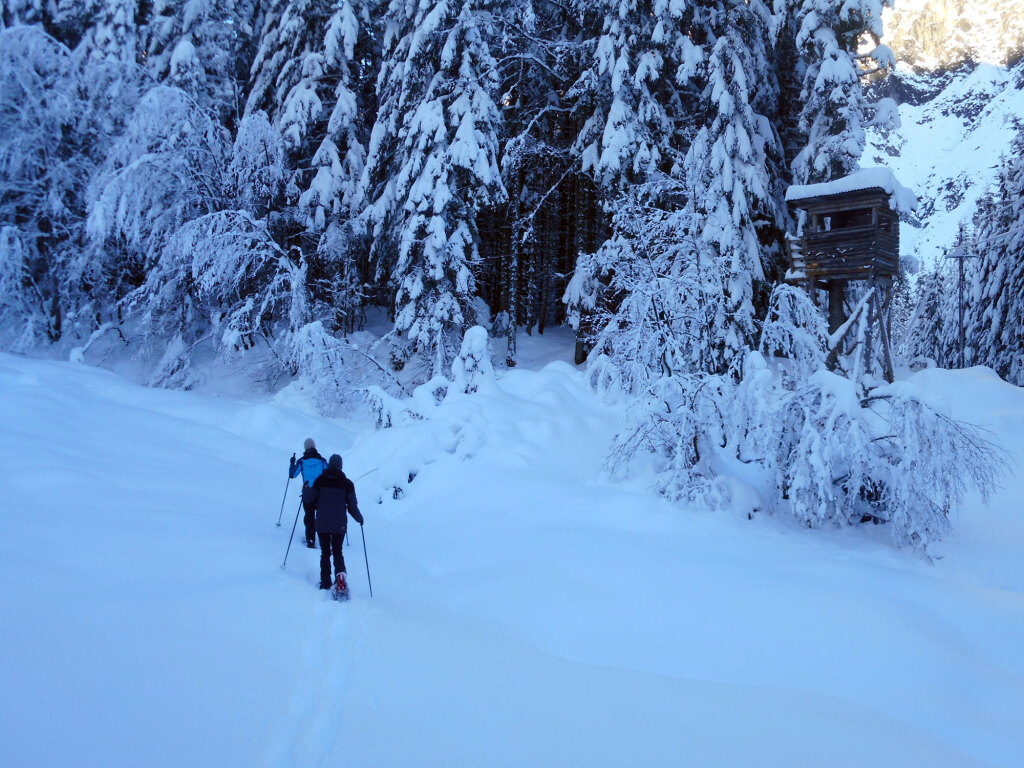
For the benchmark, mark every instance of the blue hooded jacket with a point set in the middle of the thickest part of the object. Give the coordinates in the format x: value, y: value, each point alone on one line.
x: 311, y: 465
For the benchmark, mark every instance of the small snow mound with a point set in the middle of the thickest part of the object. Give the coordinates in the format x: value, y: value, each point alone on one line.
x: 473, y: 365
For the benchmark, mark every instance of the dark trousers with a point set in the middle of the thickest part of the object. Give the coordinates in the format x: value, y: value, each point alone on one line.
x: 331, y: 543
x: 309, y: 520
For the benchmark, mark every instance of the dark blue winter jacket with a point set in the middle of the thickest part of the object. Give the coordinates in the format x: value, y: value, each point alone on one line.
x: 334, y: 495
x: 310, y: 465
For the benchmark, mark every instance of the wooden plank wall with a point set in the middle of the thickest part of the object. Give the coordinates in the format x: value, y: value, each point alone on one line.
x: 850, y: 253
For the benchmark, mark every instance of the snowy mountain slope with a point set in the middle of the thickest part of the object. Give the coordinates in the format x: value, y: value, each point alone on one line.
x: 526, y: 611
x: 961, y: 98
x: 955, y: 129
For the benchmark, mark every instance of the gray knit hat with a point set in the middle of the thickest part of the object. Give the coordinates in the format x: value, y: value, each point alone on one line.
x: 309, y: 445
x: 334, y: 462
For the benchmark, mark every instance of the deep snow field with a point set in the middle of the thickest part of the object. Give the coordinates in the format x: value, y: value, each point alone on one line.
x: 526, y: 611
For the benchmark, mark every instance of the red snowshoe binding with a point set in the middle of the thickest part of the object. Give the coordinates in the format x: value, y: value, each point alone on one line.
x: 340, y: 588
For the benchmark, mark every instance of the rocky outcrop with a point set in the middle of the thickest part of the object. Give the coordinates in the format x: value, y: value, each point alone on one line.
x: 959, y: 83
x: 945, y: 34
x: 955, y: 128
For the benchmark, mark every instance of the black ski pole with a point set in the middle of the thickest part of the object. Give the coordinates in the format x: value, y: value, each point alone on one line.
x: 365, y: 560
x: 366, y: 473
x: 293, y: 534
x: 285, y: 497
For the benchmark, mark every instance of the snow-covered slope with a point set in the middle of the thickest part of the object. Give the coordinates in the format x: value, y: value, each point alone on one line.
x: 960, y: 103
x: 526, y: 611
x: 955, y: 129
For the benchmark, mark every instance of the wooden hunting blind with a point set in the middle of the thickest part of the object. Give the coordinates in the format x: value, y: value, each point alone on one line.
x: 851, y: 232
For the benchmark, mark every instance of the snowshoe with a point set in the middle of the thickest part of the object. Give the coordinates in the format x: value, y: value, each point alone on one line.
x: 340, y: 591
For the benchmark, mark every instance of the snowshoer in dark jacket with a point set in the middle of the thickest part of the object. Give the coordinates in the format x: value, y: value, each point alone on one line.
x: 311, y: 465
x: 334, y: 498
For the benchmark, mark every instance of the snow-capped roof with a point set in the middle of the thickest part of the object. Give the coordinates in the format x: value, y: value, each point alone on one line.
x: 902, y: 199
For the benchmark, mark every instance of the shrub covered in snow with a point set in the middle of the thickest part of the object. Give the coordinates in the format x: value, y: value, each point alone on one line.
x: 794, y: 439
x: 341, y: 376
x: 473, y: 365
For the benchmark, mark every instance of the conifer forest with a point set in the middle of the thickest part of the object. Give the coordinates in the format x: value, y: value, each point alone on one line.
x: 263, y: 183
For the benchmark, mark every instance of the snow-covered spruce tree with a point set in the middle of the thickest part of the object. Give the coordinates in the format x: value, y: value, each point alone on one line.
x: 289, y: 60
x: 112, y: 80
x: 686, y: 255
x: 635, y: 104
x: 305, y: 78
x: 200, y: 46
x: 994, y: 316
x: 71, y: 22
x: 256, y: 173
x: 311, y: 73
x: 37, y: 191
x: 829, y: 38
x: 340, y: 157
x: 432, y: 166
x: 14, y: 13
x: 169, y: 167
x: 732, y: 170
x: 63, y: 21
x: 674, y: 287
x: 56, y: 117
x: 188, y: 207
x: 112, y: 34
x: 931, y: 332
x: 644, y: 54
x: 654, y: 295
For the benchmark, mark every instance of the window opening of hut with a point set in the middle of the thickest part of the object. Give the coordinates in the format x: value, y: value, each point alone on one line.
x: 859, y: 217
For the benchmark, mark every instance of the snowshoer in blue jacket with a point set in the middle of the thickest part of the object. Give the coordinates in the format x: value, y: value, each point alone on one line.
x: 311, y: 465
x: 334, y: 497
